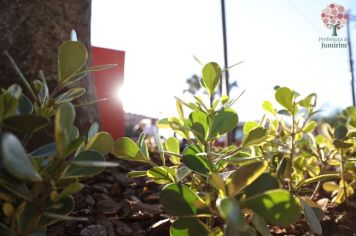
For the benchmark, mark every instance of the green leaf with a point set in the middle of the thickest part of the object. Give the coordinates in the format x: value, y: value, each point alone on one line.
x: 163, y: 123
x: 94, y: 128
x: 180, y: 111
x: 172, y: 146
x: 311, y: 218
x: 48, y: 150
x: 75, y: 145
x: 218, y: 183
x: 330, y: 186
x: 162, y: 174
x: 309, y: 100
x: 77, y: 170
x: 69, y: 190
x: 179, y: 200
x: 70, y: 95
x: 198, y: 121
x: 340, y: 132
x: 28, y: 123
x: 125, y: 148
x: 16, y: 186
x: 267, y: 106
x: 101, y: 142
x: 16, y: 160
x: 225, y: 120
x: 24, y: 105
x: 276, y: 206
x: 263, y: 183
x: 244, y: 176
x: 64, y: 120
x: 134, y: 174
x: 255, y: 136
x: 211, y: 77
x: 318, y: 178
x: 8, y: 106
x: 260, y: 225
x: 188, y: 227
x: 284, y: 96
x: 72, y: 57
x: 249, y: 125
x: 341, y: 144
x: 230, y: 210
x: 198, y: 163
x: 310, y: 126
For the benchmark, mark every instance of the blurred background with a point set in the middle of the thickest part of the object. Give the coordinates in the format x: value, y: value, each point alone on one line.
x: 279, y: 42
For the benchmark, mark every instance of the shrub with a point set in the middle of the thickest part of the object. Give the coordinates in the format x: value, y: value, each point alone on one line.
x: 36, y: 186
x: 266, y: 179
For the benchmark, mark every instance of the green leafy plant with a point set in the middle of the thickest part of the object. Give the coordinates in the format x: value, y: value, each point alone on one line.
x: 204, y: 183
x: 37, y: 186
x: 302, y: 154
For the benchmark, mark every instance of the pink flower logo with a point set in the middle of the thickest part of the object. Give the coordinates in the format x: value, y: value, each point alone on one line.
x: 334, y: 17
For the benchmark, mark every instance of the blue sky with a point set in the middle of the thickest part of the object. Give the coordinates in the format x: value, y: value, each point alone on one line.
x: 277, y: 39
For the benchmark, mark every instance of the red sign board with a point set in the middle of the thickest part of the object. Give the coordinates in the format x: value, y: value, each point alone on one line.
x: 108, y: 83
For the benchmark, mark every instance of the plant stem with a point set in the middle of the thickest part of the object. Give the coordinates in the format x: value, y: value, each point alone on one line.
x: 290, y: 160
x: 343, y: 178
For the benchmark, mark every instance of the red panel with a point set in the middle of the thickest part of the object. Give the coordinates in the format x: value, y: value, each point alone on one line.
x: 107, y: 83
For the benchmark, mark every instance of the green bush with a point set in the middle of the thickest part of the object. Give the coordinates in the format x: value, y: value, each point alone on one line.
x: 36, y: 186
x: 269, y: 178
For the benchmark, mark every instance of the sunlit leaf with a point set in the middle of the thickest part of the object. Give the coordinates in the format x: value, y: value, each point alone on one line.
x: 72, y: 57
x: 255, y: 136
x: 172, y: 146
x: 284, y: 96
x: 277, y: 207
x: 126, y: 148
x: 267, y: 106
x: 161, y: 174
x: 249, y: 125
x: 211, y: 76
x: 198, y: 121
x: 101, y: 142
x: 218, y: 183
x: 179, y: 200
x: 244, y: 176
x: 188, y: 227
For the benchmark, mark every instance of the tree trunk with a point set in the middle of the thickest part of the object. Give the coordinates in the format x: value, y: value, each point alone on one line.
x: 32, y: 31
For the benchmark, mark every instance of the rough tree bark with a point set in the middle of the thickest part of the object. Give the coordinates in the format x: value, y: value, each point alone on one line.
x: 31, y: 31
